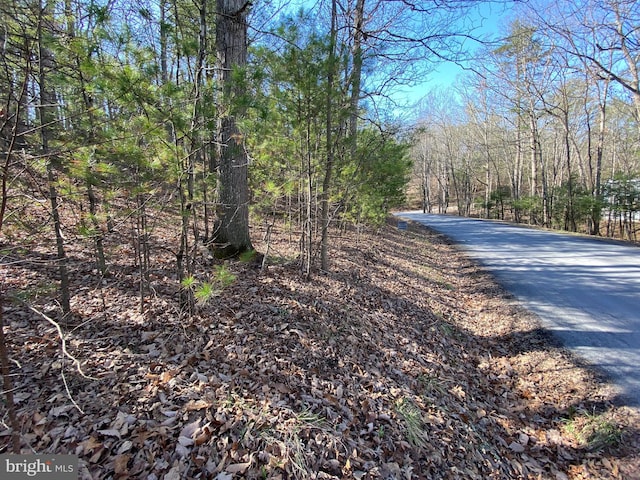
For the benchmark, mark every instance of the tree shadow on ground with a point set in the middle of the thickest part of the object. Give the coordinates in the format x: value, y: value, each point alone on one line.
x: 515, y: 415
x: 376, y: 356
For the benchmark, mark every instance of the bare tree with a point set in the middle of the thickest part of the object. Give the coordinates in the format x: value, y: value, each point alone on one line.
x: 603, y: 35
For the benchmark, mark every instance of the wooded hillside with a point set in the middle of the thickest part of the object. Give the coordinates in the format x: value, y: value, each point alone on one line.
x: 197, y: 277
x: 404, y: 361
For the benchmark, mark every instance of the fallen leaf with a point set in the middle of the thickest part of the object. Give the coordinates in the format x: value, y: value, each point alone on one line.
x: 197, y: 405
x: 120, y: 464
x: 91, y: 444
x: 167, y: 376
x: 203, y: 437
x: 173, y: 474
x: 238, y: 467
x: 190, y: 429
x: 125, y: 447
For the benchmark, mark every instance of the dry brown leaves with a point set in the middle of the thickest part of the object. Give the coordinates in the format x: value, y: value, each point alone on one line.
x: 405, y: 361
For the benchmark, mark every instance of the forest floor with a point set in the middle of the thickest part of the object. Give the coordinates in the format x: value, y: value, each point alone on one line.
x: 404, y: 361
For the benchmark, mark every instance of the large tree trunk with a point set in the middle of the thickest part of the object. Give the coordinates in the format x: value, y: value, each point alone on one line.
x: 231, y: 236
x: 326, y: 183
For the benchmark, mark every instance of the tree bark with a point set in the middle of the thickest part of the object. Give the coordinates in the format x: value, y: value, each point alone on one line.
x: 45, y: 62
x: 231, y: 235
x: 326, y: 183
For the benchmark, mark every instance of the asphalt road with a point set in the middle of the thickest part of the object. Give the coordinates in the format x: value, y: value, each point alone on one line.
x: 585, y: 291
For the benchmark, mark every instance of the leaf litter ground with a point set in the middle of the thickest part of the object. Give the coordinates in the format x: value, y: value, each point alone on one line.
x: 405, y: 361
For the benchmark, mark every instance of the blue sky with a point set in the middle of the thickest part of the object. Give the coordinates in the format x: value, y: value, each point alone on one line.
x: 488, y: 17
x: 492, y: 19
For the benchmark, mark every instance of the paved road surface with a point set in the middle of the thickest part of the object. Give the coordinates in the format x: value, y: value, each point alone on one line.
x: 586, y: 291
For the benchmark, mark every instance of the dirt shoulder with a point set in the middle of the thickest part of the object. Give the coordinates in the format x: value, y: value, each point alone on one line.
x: 406, y: 360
